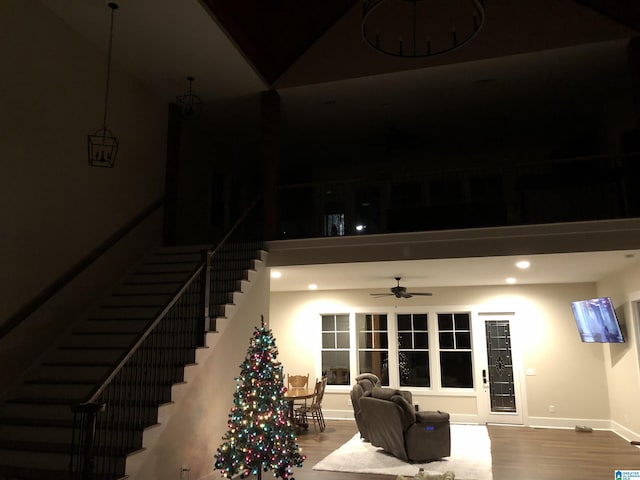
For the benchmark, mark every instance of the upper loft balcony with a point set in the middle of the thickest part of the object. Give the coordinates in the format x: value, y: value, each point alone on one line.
x: 579, y: 189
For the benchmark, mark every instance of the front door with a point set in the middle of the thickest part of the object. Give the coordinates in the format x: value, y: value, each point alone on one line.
x: 499, y: 399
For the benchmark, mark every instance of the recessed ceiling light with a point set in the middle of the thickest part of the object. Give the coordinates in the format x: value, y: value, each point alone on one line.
x: 510, y: 280
x: 312, y: 286
x: 276, y: 274
x: 523, y: 264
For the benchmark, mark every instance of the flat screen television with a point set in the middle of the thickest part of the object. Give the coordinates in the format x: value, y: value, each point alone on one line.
x: 597, y: 321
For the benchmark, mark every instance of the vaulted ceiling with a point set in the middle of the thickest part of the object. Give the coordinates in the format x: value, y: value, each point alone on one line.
x: 292, y: 43
x: 240, y: 47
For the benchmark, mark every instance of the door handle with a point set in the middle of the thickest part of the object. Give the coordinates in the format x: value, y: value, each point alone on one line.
x: 484, y: 377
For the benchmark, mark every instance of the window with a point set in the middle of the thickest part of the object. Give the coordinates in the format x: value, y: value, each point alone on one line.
x: 454, y: 335
x: 335, y: 349
x: 373, y: 345
x: 405, y: 349
x: 334, y: 224
x: 413, y: 350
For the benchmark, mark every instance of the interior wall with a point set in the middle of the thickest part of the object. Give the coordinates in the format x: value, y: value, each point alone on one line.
x: 622, y: 360
x: 567, y: 372
x: 54, y: 207
x: 219, y: 169
x: 194, y: 432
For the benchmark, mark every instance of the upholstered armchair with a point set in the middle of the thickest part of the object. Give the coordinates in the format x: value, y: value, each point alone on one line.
x: 391, y: 422
x: 365, y: 382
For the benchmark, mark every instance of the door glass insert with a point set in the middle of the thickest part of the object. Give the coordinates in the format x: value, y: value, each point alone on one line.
x: 500, y: 362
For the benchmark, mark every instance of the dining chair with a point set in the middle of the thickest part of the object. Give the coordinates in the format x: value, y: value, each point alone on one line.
x: 298, y: 381
x: 314, y: 409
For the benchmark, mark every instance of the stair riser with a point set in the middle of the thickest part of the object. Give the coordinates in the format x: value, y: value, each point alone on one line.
x: 167, y: 268
x: 129, y: 439
x: 36, y: 411
x: 26, y: 433
x: 193, y: 258
x: 53, y: 461
x: 154, y: 301
x: 111, y: 326
x: 89, y: 341
x: 85, y: 356
x: 146, y: 278
x: 64, y: 373
x: 144, y: 289
x: 53, y: 391
x: 44, y: 460
x: 141, y: 416
x: 125, y: 312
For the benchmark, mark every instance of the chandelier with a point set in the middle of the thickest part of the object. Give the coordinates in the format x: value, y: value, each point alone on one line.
x: 189, y: 103
x: 103, y: 145
x: 420, y: 28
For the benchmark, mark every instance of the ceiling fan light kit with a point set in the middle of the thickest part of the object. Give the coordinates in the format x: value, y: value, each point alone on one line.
x: 420, y: 28
x: 400, y: 292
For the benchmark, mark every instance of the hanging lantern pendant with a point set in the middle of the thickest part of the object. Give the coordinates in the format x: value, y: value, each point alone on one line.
x: 103, y: 145
x: 190, y: 104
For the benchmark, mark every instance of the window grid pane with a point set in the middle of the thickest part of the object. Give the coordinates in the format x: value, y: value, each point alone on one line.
x: 413, y: 350
x: 454, y: 334
x: 335, y: 349
x: 373, y: 355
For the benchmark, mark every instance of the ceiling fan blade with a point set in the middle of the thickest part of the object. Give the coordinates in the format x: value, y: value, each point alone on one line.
x: 380, y: 294
x: 422, y: 294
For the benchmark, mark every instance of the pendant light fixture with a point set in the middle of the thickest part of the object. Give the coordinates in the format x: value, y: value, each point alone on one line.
x: 420, y: 28
x: 189, y: 103
x: 103, y: 145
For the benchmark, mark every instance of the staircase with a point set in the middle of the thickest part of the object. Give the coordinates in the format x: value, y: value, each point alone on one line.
x: 125, y: 354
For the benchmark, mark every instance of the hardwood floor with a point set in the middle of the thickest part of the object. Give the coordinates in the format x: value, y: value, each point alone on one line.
x: 518, y: 453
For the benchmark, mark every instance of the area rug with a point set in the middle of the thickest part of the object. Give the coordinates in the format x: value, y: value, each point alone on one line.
x: 470, y: 457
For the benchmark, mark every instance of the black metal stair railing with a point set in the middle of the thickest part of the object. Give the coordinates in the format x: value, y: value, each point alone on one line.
x: 109, y: 424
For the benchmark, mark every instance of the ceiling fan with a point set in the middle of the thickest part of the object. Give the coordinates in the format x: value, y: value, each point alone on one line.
x: 400, y: 292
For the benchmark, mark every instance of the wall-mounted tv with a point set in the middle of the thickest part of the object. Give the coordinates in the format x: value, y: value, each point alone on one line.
x: 597, y: 321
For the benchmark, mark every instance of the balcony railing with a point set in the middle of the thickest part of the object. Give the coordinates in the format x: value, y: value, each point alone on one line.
x: 566, y: 190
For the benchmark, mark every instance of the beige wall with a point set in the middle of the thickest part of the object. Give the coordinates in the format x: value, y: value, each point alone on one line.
x: 571, y: 375
x: 199, y: 417
x: 621, y: 360
x: 54, y: 208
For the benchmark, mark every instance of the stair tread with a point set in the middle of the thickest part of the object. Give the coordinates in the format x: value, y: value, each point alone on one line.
x: 72, y: 364
x: 55, y: 381
x: 44, y: 401
x: 36, y: 422
x: 34, y: 473
x: 34, y: 446
x: 55, y: 447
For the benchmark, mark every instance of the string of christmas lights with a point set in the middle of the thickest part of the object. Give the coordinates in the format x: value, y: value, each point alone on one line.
x: 260, y: 436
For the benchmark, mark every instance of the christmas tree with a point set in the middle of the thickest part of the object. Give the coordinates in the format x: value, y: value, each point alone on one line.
x: 260, y: 435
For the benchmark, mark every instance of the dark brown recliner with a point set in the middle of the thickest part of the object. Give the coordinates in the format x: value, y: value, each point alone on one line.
x: 365, y: 382
x: 392, y: 423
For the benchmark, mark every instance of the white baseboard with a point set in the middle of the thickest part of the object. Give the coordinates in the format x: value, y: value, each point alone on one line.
x: 624, y: 432
x: 533, y: 422
x: 560, y: 422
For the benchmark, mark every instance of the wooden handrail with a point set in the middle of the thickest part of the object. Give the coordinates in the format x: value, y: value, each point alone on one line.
x: 45, y: 295
x: 94, y: 395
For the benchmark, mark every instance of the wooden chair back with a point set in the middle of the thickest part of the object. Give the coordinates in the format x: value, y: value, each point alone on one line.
x: 321, y: 385
x: 297, y: 381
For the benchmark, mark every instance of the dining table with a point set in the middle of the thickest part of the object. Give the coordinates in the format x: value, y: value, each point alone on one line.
x: 294, y: 394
